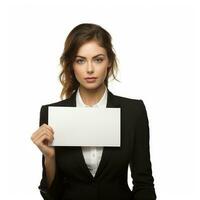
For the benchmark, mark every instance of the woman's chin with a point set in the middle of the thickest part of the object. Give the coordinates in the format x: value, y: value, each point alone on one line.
x: 90, y: 86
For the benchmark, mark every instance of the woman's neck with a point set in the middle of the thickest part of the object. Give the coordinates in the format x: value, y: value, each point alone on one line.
x: 93, y: 96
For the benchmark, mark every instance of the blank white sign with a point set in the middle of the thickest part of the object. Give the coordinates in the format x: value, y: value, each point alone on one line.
x: 83, y: 126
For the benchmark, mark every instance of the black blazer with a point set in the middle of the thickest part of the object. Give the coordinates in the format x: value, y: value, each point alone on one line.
x: 73, y: 180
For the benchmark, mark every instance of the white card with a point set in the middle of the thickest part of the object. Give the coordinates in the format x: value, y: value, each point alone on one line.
x: 83, y: 126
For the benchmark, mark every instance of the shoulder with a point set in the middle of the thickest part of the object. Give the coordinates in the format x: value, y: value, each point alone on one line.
x: 44, y: 107
x: 56, y: 103
x: 132, y: 106
x: 130, y: 102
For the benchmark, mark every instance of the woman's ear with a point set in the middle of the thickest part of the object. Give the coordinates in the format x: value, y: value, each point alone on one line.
x: 108, y: 69
x: 109, y: 64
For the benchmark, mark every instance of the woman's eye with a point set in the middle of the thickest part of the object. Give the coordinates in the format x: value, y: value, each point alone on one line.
x: 79, y: 61
x: 99, y: 60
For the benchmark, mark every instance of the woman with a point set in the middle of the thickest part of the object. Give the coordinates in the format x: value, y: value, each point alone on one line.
x: 88, y: 60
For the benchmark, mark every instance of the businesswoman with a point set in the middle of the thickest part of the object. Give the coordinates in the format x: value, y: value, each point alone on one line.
x: 95, y: 173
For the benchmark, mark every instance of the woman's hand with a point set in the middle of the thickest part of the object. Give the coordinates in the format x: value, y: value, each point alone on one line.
x: 42, y: 137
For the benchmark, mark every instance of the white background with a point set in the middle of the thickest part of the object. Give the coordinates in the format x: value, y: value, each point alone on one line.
x: 157, y: 44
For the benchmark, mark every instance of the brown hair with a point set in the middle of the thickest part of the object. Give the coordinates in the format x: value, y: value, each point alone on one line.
x: 79, y: 35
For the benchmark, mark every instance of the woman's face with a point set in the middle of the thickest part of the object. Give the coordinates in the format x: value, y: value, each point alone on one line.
x: 91, y: 61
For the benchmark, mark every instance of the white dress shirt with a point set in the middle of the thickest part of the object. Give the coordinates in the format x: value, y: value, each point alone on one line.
x: 92, y: 155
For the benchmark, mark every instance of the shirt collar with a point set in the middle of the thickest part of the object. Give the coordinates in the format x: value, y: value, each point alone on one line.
x: 101, y: 103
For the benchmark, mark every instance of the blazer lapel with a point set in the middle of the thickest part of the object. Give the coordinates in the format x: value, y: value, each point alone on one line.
x: 79, y: 158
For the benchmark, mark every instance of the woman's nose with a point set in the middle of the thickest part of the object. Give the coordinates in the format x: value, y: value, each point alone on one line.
x: 90, y: 67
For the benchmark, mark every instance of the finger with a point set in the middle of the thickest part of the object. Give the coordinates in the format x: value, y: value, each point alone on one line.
x: 48, y: 136
x: 45, y: 131
x: 49, y: 127
x: 40, y: 132
x: 44, y: 136
x: 42, y: 127
x: 34, y: 134
x: 41, y: 138
x: 43, y: 147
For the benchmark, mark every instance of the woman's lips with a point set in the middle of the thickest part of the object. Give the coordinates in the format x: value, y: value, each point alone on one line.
x: 90, y: 80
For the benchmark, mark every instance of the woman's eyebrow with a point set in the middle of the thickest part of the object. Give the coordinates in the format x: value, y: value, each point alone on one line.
x: 93, y: 56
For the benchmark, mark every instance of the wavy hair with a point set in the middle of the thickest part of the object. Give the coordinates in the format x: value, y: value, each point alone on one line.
x: 79, y: 35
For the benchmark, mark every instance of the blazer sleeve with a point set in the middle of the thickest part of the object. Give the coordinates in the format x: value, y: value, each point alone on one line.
x: 56, y: 188
x: 140, y: 164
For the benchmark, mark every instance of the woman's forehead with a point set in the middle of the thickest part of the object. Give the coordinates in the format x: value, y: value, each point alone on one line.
x: 91, y: 49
